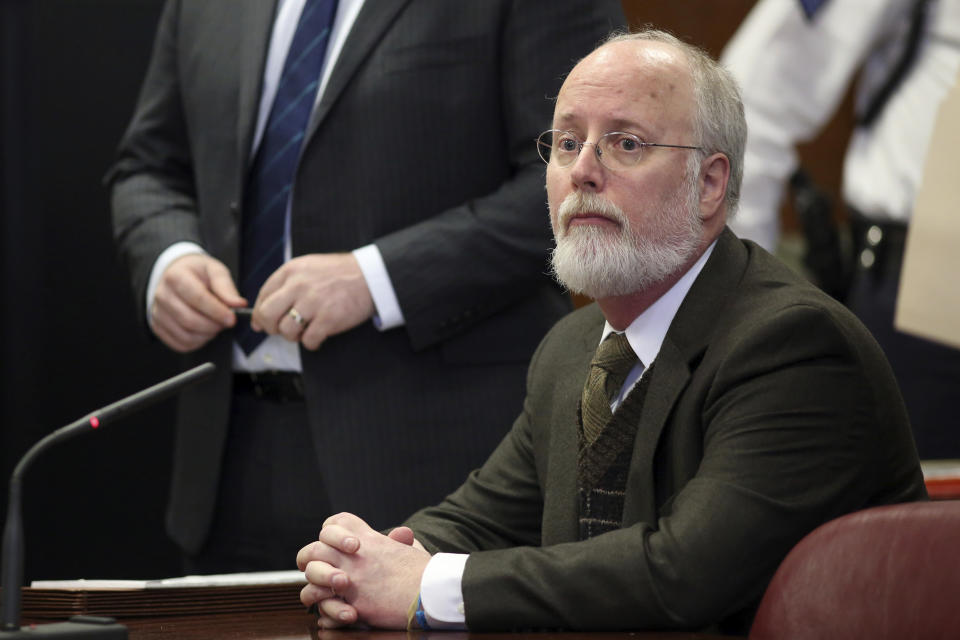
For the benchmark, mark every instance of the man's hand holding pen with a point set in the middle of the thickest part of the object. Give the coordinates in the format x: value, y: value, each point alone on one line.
x: 306, y: 300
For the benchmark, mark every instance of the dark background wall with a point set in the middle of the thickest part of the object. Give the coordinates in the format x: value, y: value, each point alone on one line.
x: 69, y: 74
x: 94, y: 506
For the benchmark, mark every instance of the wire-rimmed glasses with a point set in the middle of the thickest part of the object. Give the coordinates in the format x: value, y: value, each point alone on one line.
x: 615, y: 150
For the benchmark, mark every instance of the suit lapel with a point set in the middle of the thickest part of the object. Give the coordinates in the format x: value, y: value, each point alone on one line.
x: 371, y: 23
x: 687, y: 338
x: 561, y: 511
x: 256, y: 25
x: 669, y: 378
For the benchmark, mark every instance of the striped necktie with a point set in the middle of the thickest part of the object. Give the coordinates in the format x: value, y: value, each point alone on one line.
x: 274, y: 166
x: 608, y: 370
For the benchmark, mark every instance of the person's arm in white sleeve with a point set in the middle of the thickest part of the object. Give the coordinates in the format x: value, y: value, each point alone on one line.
x: 793, y: 73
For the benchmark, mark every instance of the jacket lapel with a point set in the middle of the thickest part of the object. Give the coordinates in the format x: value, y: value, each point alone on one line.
x: 560, y: 514
x: 372, y: 21
x: 687, y: 338
x: 256, y: 25
x: 669, y: 378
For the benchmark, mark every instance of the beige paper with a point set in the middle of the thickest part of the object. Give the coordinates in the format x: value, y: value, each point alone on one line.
x: 928, y: 303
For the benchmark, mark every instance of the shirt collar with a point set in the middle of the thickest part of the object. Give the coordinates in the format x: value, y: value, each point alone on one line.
x: 647, y: 331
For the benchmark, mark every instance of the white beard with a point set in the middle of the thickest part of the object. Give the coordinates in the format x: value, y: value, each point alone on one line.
x: 600, y: 263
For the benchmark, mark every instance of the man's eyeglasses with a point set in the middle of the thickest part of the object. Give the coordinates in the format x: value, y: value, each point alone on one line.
x: 616, y: 150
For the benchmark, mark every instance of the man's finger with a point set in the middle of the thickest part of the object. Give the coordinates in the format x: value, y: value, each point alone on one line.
x: 175, y: 310
x: 222, y: 286
x: 178, y: 334
x: 172, y: 338
x: 315, y: 334
x: 348, y: 520
x: 316, y: 551
x: 337, y: 612
x: 189, y: 279
x: 321, y: 573
x: 403, y: 535
x: 311, y: 594
x: 340, y: 538
x: 272, y: 308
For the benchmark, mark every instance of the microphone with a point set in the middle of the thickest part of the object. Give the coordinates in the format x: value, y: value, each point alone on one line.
x: 84, y: 626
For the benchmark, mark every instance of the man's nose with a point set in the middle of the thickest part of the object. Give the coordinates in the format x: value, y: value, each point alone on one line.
x: 587, y: 172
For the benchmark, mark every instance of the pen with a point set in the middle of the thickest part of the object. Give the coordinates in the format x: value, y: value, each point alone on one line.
x: 243, y: 311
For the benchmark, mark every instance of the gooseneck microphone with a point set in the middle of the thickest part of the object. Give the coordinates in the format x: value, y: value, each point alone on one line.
x: 13, y: 530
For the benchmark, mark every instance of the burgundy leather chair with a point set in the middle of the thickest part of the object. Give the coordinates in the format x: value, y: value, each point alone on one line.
x: 889, y: 572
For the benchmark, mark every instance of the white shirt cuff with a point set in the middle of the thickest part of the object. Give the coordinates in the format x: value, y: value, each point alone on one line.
x: 171, y: 253
x: 440, y: 591
x: 384, y: 297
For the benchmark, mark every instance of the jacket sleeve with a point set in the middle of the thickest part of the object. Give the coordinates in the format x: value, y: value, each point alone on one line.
x: 461, y: 266
x: 788, y: 432
x: 151, y: 183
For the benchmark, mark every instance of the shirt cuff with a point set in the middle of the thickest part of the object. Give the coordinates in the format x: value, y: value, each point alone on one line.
x: 389, y: 315
x: 171, y: 253
x: 440, y: 591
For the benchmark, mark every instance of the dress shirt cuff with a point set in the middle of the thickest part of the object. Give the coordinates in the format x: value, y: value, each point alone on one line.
x: 164, y: 260
x: 440, y: 592
x: 389, y: 315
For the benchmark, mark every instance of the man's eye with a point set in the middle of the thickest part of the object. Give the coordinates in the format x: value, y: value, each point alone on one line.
x: 628, y: 144
x: 567, y: 144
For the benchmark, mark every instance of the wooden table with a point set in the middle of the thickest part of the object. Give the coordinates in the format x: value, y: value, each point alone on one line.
x: 303, y: 626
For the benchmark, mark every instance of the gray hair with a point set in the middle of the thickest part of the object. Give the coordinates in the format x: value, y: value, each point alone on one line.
x: 719, y: 123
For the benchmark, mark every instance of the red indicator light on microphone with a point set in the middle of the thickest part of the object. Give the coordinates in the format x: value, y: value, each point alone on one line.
x: 94, y: 421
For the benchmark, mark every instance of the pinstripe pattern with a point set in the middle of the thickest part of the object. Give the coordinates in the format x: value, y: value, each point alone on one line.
x: 608, y: 370
x: 271, y: 178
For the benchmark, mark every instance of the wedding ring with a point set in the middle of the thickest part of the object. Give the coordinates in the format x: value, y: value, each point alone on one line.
x: 293, y: 313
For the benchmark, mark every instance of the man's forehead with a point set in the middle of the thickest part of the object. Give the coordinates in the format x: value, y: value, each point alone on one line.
x: 630, y: 56
x: 626, y: 84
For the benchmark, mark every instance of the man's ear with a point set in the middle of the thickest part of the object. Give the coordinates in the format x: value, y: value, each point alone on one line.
x: 714, y: 174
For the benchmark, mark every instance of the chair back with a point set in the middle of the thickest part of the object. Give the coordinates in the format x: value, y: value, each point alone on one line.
x: 890, y: 572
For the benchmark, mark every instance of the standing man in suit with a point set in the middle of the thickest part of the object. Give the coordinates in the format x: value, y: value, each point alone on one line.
x: 360, y: 174
x: 658, y: 479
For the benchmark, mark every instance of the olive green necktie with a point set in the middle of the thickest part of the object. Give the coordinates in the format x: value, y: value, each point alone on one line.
x: 608, y: 370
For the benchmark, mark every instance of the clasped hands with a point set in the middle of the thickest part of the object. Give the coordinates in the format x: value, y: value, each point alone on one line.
x: 358, y: 575
x: 196, y: 295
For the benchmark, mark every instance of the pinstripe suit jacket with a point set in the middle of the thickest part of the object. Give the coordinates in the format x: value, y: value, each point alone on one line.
x: 770, y: 410
x: 423, y: 144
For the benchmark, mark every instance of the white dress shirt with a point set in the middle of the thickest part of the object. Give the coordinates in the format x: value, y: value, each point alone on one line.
x: 794, y: 72
x: 441, y: 593
x: 277, y: 353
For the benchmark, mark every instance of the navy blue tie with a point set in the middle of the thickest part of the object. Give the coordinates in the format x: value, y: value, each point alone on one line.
x: 271, y: 177
x: 810, y: 7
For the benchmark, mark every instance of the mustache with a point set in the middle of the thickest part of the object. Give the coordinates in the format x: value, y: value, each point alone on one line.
x: 583, y: 203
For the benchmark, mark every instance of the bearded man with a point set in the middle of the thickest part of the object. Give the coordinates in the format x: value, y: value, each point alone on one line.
x: 655, y: 481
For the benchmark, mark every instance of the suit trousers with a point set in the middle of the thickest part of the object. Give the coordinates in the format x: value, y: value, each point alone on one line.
x: 271, y: 500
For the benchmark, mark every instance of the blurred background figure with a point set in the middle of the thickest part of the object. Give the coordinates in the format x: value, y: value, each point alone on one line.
x: 795, y: 61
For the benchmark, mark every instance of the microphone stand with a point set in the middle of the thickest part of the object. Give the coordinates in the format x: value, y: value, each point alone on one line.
x: 12, y: 576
